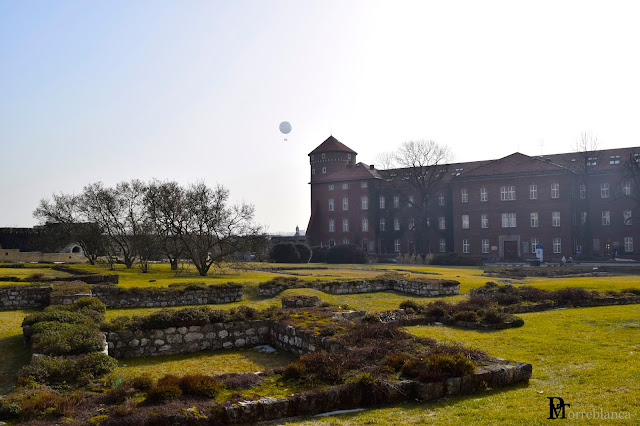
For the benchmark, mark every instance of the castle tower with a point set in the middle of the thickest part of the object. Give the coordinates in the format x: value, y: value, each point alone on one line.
x: 330, y: 156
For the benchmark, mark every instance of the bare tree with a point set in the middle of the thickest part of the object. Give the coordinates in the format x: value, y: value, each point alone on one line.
x: 214, y: 231
x: 165, y: 206
x: 64, y: 210
x: 415, y: 171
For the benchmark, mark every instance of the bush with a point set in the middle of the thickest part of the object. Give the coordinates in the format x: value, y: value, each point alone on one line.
x: 95, y: 364
x: 8, y: 410
x: 395, y: 361
x: 73, y: 339
x: 439, y: 309
x: 162, y: 393
x: 468, y: 316
x: 142, y: 383
x: 240, y: 381
x: 59, y: 316
x: 305, y: 253
x: 569, y: 295
x: 53, y: 370
x: 284, y: 253
x: 200, y: 385
x: 411, y: 304
x: 453, y: 258
x: 346, y: 253
x: 438, y: 367
x: 319, y: 254
x: 491, y: 316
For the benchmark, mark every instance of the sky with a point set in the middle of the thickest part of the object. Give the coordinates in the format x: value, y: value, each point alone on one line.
x: 195, y: 90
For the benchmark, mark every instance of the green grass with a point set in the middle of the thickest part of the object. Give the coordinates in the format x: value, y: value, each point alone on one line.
x: 590, y: 357
x: 213, y: 363
x: 13, y: 354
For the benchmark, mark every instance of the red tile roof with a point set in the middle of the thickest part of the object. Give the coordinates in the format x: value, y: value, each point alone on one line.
x: 359, y: 171
x: 605, y: 159
x: 332, y: 144
x: 514, y: 164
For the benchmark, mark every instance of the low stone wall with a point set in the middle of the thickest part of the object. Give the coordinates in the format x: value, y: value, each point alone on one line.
x: 432, y: 289
x: 151, y: 297
x: 177, y: 340
x: 24, y: 297
x: 298, y: 341
x: 301, y: 301
x: 15, y: 255
x: 586, y: 303
x: 356, y: 395
x: 89, y: 279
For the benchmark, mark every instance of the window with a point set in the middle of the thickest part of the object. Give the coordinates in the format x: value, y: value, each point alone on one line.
x: 332, y: 225
x: 396, y: 201
x: 485, y: 246
x: 324, y: 156
x: 365, y: 202
x: 614, y: 159
x: 441, y: 200
x: 365, y: 224
x: 345, y: 203
x: 628, y: 244
x: 583, y: 218
x: 331, y: 205
x: 381, y: 202
x: 396, y: 224
x: 396, y: 245
x: 606, y: 218
x: 484, y: 221
x: 555, y: 218
x: 555, y: 190
x: 626, y: 214
x: 508, y: 220
x: 324, y: 170
x: 412, y: 224
x: 525, y: 247
x: 345, y: 225
x: 592, y: 161
x: 345, y: 186
x: 604, y: 190
x: 596, y: 244
x: 465, y: 221
x: 330, y: 187
x: 534, y: 220
x: 313, y: 171
x: 483, y: 194
x: 583, y: 191
x: 465, y: 246
x: 345, y: 241
x: 442, y: 223
x: 507, y: 193
x: 465, y: 195
x: 410, y: 201
x: 332, y: 243
x: 533, y: 192
x: 382, y: 224
x: 626, y: 188
x: 443, y: 245
x: 348, y: 156
x: 534, y: 244
x: 557, y: 245
x: 363, y: 184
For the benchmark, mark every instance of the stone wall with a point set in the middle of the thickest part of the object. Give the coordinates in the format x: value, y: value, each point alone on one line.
x: 356, y: 395
x: 24, y: 297
x: 118, y: 297
x: 15, y: 255
x: 434, y: 288
x: 585, y: 303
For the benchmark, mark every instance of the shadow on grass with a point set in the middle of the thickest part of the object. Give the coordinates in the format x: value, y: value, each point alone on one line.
x: 13, y: 355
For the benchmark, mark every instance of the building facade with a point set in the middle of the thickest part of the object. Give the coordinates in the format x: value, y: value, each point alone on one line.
x: 574, y: 204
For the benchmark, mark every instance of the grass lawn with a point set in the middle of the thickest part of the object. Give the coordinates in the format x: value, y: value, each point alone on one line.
x: 590, y: 357
x: 13, y: 354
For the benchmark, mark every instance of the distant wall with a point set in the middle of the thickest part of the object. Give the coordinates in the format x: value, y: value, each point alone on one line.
x: 15, y: 255
x: 433, y: 288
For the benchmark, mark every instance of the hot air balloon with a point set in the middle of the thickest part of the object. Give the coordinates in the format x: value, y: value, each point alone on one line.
x: 285, y: 128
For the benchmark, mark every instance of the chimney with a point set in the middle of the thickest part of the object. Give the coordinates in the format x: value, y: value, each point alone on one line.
x: 371, y: 167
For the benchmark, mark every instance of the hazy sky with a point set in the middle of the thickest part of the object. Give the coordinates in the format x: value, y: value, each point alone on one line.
x: 195, y: 90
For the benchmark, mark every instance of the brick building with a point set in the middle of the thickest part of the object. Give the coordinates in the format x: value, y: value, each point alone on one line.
x: 572, y: 204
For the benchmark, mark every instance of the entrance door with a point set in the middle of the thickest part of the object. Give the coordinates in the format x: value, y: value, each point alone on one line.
x: 510, y: 250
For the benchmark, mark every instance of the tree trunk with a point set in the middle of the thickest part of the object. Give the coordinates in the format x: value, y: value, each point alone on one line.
x: 174, y: 263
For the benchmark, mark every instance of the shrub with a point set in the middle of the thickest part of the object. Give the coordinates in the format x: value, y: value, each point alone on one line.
x: 8, y: 410
x: 95, y: 364
x: 240, y: 381
x: 395, y: 361
x: 468, y: 316
x: 569, y: 295
x: 36, y: 276
x: 346, y: 253
x: 411, y: 304
x: 305, y: 253
x: 53, y: 370
x: 162, y: 393
x: 439, y: 309
x: 200, y: 385
x: 142, y: 383
x: 284, y: 253
x: 319, y: 254
x: 437, y: 367
x: 59, y: 316
x: 491, y: 316
x: 74, y: 339
x: 46, y: 403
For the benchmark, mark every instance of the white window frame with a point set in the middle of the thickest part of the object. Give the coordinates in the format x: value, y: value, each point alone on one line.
x: 382, y: 224
x: 364, y: 202
x: 396, y: 201
x: 626, y: 215
x: 345, y: 186
x: 555, y: 190
x: 534, y: 242
x: 365, y: 224
x: 555, y: 218
x: 441, y: 200
x: 332, y: 225
x: 442, y: 223
x: 345, y: 225
x: 509, y: 220
x: 484, y: 221
x: 331, y: 205
x: 465, y: 221
x: 412, y: 224
x: 485, y: 246
x: 410, y: 201
x: 466, y: 247
x: 331, y: 187
x: 345, y: 203
x: 363, y: 185
x: 557, y: 245
x: 533, y: 191
x: 382, y: 201
x: 396, y: 245
x: 534, y: 219
x: 628, y: 244
x: 464, y: 195
x: 606, y: 218
x: 604, y: 190
x: 484, y: 195
x: 626, y: 188
x: 443, y: 245
x: 508, y: 193
x: 396, y: 224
